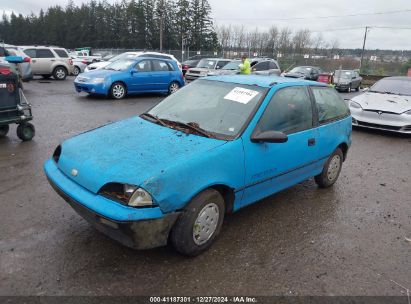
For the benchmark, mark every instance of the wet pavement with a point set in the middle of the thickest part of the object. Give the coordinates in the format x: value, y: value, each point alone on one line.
x: 347, y: 240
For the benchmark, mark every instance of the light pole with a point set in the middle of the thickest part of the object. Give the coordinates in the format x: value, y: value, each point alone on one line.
x: 363, y: 47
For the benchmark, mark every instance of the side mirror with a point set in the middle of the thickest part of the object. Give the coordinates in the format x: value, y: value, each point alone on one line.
x: 353, y: 77
x: 14, y: 59
x: 217, y: 67
x: 269, y: 137
x: 133, y: 71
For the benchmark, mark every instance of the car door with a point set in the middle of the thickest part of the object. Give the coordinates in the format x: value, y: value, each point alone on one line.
x: 271, y: 167
x: 160, y: 75
x: 221, y: 63
x: 35, y: 67
x: 44, y: 61
x: 140, y: 79
x: 261, y: 68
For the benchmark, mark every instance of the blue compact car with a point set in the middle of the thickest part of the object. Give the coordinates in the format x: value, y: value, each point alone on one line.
x: 211, y: 148
x: 132, y: 76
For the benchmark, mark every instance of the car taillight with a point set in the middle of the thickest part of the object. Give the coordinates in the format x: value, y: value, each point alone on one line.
x: 70, y: 61
x: 185, y: 67
x: 5, y: 71
x: 84, y: 61
x: 27, y: 59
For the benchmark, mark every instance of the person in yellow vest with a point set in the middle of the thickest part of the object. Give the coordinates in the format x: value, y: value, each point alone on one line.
x: 245, y: 67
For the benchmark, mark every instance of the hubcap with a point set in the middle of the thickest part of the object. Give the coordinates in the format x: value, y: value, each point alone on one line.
x: 206, y: 224
x: 60, y: 73
x: 334, y: 168
x: 76, y: 71
x: 174, y: 88
x: 118, y: 91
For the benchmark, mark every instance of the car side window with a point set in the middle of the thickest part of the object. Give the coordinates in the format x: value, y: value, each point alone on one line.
x: 160, y: 66
x: 143, y: 66
x: 262, y: 66
x: 61, y: 53
x: 273, y: 66
x: 289, y: 111
x: 31, y: 53
x: 221, y: 64
x: 44, y: 53
x: 330, y: 105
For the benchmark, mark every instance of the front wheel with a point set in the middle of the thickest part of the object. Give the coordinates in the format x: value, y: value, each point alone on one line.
x: 26, y: 131
x: 118, y: 90
x: 60, y: 73
x: 358, y: 88
x: 331, y: 170
x: 199, y: 224
x: 4, y: 130
x: 76, y: 71
x: 174, y: 87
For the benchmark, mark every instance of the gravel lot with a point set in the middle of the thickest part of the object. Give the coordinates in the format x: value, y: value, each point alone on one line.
x: 347, y: 240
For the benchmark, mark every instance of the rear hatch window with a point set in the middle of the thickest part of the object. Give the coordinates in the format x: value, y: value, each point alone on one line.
x: 61, y: 53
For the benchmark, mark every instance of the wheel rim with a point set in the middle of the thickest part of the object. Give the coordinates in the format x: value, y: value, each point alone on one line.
x: 174, y: 87
x: 27, y: 132
x: 60, y: 73
x: 76, y: 71
x: 334, y: 168
x: 118, y: 91
x: 206, y: 224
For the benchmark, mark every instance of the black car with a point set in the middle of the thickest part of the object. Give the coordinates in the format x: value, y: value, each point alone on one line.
x: 347, y: 80
x: 304, y: 72
x: 189, y: 64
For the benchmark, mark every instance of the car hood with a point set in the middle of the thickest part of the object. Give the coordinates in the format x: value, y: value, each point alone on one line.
x: 99, y: 65
x: 384, y: 102
x: 131, y: 151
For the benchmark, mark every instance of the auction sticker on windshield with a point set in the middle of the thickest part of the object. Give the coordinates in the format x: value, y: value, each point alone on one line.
x: 241, y: 95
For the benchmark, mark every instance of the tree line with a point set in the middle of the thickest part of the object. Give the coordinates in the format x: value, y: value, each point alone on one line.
x: 125, y: 24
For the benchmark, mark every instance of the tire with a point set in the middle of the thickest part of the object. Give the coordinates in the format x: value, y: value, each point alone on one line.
x: 173, y: 87
x: 26, y: 131
x: 60, y: 73
x: 76, y: 71
x: 349, y: 89
x: 331, y: 170
x: 46, y: 76
x: 358, y: 88
x: 4, y: 130
x: 204, y: 213
x: 118, y: 90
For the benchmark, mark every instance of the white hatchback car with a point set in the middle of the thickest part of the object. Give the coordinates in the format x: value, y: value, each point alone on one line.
x: 131, y: 55
x: 385, y: 106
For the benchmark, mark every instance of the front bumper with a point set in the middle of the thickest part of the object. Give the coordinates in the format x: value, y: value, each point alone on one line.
x: 91, y: 88
x: 135, y: 228
x: 342, y: 87
x: 399, y: 123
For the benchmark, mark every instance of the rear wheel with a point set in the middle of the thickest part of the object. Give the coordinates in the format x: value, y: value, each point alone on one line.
x: 76, y: 71
x: 174, y: 87
x: 118, y: 90
x: 199, y: 224
x: 4, y: 130
x: 26, y: 131
x: 331, y: 170
x: 60, y: 73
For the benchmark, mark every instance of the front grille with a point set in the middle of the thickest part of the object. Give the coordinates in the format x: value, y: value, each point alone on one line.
x: 195, y: 72
x: 378, y: 126
x: 407, y: 128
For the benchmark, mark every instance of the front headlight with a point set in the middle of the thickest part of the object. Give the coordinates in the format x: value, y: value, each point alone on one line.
x: 128, y: 195
x: 97, y: 80
x: 355, y: 105
x: 203, y: 74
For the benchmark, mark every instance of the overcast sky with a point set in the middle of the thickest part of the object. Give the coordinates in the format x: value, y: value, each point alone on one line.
x: 264, y: 13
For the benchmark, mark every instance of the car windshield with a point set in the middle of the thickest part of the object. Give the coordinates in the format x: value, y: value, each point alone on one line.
x: 393, y: 86
x: 343, y: 74
x: 233, y: 65
x: 302, y: 70
x: 219, y: 108
x: 120, y: 65
x: 206, y: 64
x: 123, y: 56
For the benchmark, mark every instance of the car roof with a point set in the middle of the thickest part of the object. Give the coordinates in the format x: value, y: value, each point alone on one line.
x: 262, y: 81
x: 149, y: 57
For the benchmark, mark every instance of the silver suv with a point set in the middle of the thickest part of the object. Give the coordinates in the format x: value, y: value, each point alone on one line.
x: 49, y: 61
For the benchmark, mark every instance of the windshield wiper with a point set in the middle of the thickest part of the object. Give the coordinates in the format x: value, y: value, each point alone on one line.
x: 192, y: 126
x: 158, y: 120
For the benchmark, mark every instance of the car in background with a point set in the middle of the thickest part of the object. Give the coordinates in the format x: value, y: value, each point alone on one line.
x: 132, y: 76
x: 216, y: 146
x: 259, y: 66
x: 189, y: 64
x: 83, y: 54
x: 385, y: 106
x: 49, y: 61
x: 204, y: 67
x: 304, y: 72
x: 347, y: 80
x: 79, y: 65
x: 24, y: 68
x: 131, y: 55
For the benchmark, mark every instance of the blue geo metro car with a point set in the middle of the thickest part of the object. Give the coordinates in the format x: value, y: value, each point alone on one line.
x: 132, y: 76
x: 215, y: 146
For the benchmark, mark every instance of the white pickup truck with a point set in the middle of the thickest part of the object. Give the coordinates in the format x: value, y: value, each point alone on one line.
x: 85, y: 55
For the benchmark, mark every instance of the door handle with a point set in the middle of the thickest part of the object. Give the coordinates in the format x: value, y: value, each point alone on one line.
x: 53, y: 60
x: 311, y: 142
